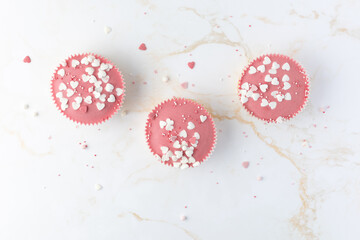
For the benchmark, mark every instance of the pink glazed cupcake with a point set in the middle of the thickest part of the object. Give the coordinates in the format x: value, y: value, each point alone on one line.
x: 87, y: 88
x: 180, y: 133
x: 274, y: 88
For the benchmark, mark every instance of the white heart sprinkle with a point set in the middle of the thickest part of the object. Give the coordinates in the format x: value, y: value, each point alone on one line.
x: 105, y: 79
x: 90, y: 89
x: 253, y: 88
x: 264, y: 102
x: 287, y: 96
x: 285, y: 78
x: 109, y: 87
x: 164, y: 149
x: 119, y: 91
x: 98, y: 89
x: 196, y: 164
x: 103, y: 66
x: 69, y: 92
x: 100, y: 106
x: 176, y: 164
x: 64, y: 100
x: 92, y: 79
x: 274, y: 93
x: 243, y: 92
x: 268, y: 78
x: 111, y: 98
x: 245, y: 86
x: 183, y: 134
x: 62, y: 86
x: 249, y: 94
x: 96, y: 94
x: 176, y: 144
x: 275, y: 81
x: 279, y: 120
x: 255, y: 96
x: 162, y: 124
x: 101, y: 73
x: 243, y: 99
x: 178, y: 154
x: 275, y: 65
x: 266, y: 61
x: 190, y: 125
x: 74, y: 63
x: 59, y: 95
x: 189, y: 153
x: 89, y: 70
x: 203, y: 118
x: 75, y: 105
x: 64, y: 106
x: 272, y: 71
x: 197, y: 135
x: 286, y: 86
x: 61, y: 72
x: 286, y: 67
x: 191, y: 159
x: 85, y: 61
x: 74, y: 84
x: 90, y: 58
x: 85, y: 77
x: 263, y: 87
x: 280, y: 97
x: 88, y: 100
x: 261, y: 68
x: 95, y: 63
x: 78, y: 99
x: 252, y: 70
x: 272, y: 105
x: 102, y: 97
x: 63, y: 63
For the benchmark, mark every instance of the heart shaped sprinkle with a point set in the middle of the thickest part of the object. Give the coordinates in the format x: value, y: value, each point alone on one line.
x: 61, y: 72
x: 252, y: 70
x: 255, y: 96
x: 101, y: 74
x: 75, y: 105
x: 272, y: 71
x: 192, y: 140
x: 264, y: 102
x: 98, y: 89
x: 176, y: 144
x: 266, y: 61
x: 74, y: 84
x: 203, y: 118
x: 286, y: 86
x: 261, y: 68
x: 85, y: 77
x: 253, y: 88
x: 109, y: 87
x: 245, y: 86
x: 83, y: 109
x: 191, y: 159
x: 286, y: 67
x: 142, y: 47
x: 274, y: 93
x: 89, y: 70
x: 183, y: 134
x: 189, y: 153
x: 191, y: 65
x: 268, y: 78
x: 162, y: 124
x: 169, y: 124
x: 119, y: 91
x: 90, y: 58
x: 164, y: 149
x: 88, y: 100
x: 27, y: 59
x: 95, y: 63
x: 287, y: 96
x: 85, y: 61
x: 280, y: 97
x: 190, y: 125
x: 62, y: 86
x: 74, y: 63
x: 263, y: 87
x: 279, y: 120
x: 285, y: 78
x: 111, y: 98
x: 92, y: 79
x: 63, y: 63
x: 272, y: 105
x: 178, y: 154
x: 100, y: 106
x: 275, y: 65
x: 64, y: 106
x: 105, y: 79
x: 197, y: 135
x: 78, y: 99
x: 249, y: 94
x: 102, y: 97
x: 104, y: 67
x: 176, y: 164
x: 91, y: 89
x: 275, y: 81
x: 59, y: 95
x: 69, y: 92
x: 243, y: 99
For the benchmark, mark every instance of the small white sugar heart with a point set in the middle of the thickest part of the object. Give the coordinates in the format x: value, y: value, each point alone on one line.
x: 90, y: 89
x: 162, y: 124
x: 78, y: 99
x: 85, y: 77
x: 98, y: 89
x: 189, y: 153
x: 264, y: 102
x: 102, y: 97
x: 280, y: 97
x: 272, y: 105
x: 63, y: 63
x: 268, y: 78
x: 62, y: 86
x: 92, y: 79
x: 111, y: 98
x: 96, y: 94
x: 253, y: 88
x: 95, y: 63
x: 266, y: 61
x: 119, y: 91
x: 287, y: 96
x: 178, y: 154
x: 64, y: 100
x: 97, y: 84
x: 105, y: 79
x: 191, y: 159
x: 100, y: 106
x: 243, y: 99
x: 74, y: 63
x: 242, y: 92
x: 183, y: 134
x: 275, y: 65
x: 261, y: 68
x: 286, y: 67
x: 109, y: 87
x: 75, y: 105
x: 59, y: 95
x: 255, y: 96
x: 245, y: 86
x: 74, y: 84
x: 196, y: 135
x: 285, y: 78
x: 249, y: 94
x: 176, y: 144
x: 88, y: 100
x: 64, y: 106
x: 164, y: 149
x: 109, y: 66
x: 101, y: 74
x: 89, y: 70
x: 203, y: 118
x: 103, y: 66
x: 196, y: 164
x: 90, y: 58
x: 263, y: 87
x: 252, y: 70
x: 85, y: 61
x: 286, y: 86
x: 275, y: 81
x: 69, y: 92
x: 190, y: 125
x: 279, y: 120
x: 272, y: 71
x: 274, y: 93
x: 61, y: 72
x: 184, y: 160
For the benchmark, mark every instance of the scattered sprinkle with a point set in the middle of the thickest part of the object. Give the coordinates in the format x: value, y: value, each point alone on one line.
x: 26, y: 106
x: 191, y: 65
x: 245, y: 164
x: 98, y: 187
x: 107, y: 29
x: 27, y: 59
x: 36, y: 114
x: 259, y: 178
x: 165, y: 79
x: 183, y: 217
x: 124, y: 113
x: 185, y: 85
x: 142, y: 47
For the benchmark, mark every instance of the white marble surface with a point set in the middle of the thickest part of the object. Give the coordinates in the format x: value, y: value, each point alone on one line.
x: 310, y: 165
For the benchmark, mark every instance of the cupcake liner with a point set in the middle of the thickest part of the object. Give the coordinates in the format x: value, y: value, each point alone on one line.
x: 302, y: 70
x: 117, y: 105
x: 210, y: 118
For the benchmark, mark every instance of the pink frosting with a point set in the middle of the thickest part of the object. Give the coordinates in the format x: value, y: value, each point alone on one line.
x: 299, y: 88
x: 181, y: 112
x: 88, y: 113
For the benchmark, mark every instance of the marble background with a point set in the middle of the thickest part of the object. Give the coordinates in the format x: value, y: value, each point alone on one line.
x: 310, y: 165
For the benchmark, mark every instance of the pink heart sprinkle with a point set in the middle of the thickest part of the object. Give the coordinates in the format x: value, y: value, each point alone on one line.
x: 27, y: 59
x: 245, y: 164
x: 83, y: 109
x: 142, y: 47
x: 253, y: 88
x: 192, y: 140
x: 185, y: 85
x: 191, y: 65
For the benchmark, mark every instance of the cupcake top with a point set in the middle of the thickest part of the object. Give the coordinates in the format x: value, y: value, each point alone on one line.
x: 87, y: 88
x: 273, y: 88
x: 180, y: 133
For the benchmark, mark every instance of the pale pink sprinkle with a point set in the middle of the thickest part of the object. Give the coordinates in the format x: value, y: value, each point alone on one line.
x: 185, y: 85
x: 245, y: 164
